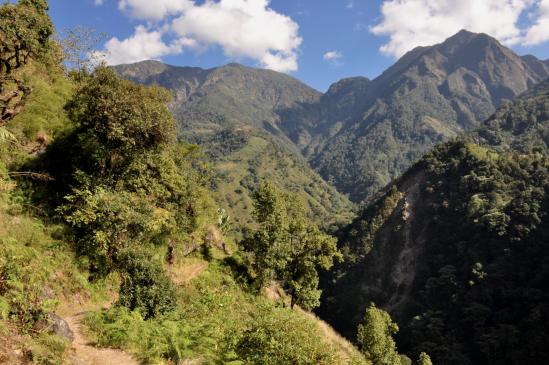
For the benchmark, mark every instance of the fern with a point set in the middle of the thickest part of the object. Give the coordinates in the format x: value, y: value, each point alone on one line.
x: 6, y: 136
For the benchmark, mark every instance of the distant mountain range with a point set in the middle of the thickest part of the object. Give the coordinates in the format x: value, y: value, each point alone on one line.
x: 233, y: 113
x: 429, y: 95
x: 361, y: 133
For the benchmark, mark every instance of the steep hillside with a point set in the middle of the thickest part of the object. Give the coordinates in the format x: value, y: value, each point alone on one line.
x: 243, y: 158
x: 520, y: 126
x: 236, y: 114
x: 456, y: 249
x: 112, y: 249
x: 227, y: 96
x: 429, y: 95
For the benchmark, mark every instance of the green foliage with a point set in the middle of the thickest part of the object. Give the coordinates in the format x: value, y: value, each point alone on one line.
x: 48, y: 349
x: 288, y: 247
x: 424, y: 359
x: 213, y: 321
x: 25, y: 29
x: 164, y: 338
x: 36, y: 267
x: 276, y: 336
x: 375, y: 337
x: 520, y: 126
x: 474, y: 293
x: 116, y: 120
x: 132, y: 184
x: 145, y: 287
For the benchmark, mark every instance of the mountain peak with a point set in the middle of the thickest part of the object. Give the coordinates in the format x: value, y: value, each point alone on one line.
x: 465, y: 38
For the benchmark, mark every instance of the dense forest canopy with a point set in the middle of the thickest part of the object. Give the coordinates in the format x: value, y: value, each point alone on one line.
x: 456, y: 249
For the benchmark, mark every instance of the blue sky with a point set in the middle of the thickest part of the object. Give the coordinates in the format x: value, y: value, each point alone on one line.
x: 317, y: 41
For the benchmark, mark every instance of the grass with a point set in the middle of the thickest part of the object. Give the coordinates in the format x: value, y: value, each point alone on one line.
x: 262, y: 158
x: 214, y: 312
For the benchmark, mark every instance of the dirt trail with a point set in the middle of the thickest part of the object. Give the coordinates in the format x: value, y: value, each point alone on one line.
x: 185, y: 272
x: 83, y: 352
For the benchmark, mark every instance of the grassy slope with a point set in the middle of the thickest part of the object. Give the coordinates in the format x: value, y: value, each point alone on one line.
x: 39, y: 271
x: 263, y: 159
x: 212, y: 315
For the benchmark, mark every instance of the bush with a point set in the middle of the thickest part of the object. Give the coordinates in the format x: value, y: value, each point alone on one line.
x: 47, y: 349
x: 145, y: 287
x: 166, y: 338
x: 278, y: 336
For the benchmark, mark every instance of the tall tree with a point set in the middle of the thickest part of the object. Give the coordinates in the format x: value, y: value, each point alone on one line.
x: 288, y: 247
x: 132, y: 183
x: 375, y: 337
x: 424, y: 359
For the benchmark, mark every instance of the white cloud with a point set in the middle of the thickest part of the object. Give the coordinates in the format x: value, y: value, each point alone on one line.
x: 334, y: 57
x: 244, y: 28
x: 153, y: 9
x: 539, y: 32
x: 98, y: 2
x: 241, y: 28
x: 411, y: 23
x: 142, y: 45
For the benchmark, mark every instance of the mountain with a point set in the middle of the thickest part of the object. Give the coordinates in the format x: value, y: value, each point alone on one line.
x: 520, y: 126
x: 235, y: 114
x: 361, y: 133
x: 231, y: 95
x: 456, y: 249
x: 379, y: 128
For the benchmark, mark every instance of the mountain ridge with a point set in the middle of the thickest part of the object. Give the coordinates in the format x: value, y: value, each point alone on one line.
x: 431, y: 94
x: 360, y: 134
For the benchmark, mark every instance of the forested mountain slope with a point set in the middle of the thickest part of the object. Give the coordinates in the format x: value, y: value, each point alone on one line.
x: 234, y: 113
x: 456, y: 249
x: 520, y: 126
x: 431, y: 94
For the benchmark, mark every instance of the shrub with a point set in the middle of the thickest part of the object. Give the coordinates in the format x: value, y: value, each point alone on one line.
x: 145, y: 287
x: 278, y: 336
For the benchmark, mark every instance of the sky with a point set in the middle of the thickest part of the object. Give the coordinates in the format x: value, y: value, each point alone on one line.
x: 316, y: 41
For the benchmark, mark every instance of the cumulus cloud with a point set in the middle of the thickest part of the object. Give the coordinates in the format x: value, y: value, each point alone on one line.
x: 241, y: 28
x: 244, y: 28
x: 153, y: 9
x: 411, y: 23
x: 539, y: 32
x: 142, y: 45
x: 334, y: 57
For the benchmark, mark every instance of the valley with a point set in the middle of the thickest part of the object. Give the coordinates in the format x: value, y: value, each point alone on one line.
x: 161, y: 214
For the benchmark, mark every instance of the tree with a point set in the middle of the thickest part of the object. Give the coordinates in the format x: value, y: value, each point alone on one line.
x: 118, y: 120
x: 268, y: 243
x: 288, y: 247
x: 145, y: 286
x: 309, y: 249
x: 375, y: 337
x: 131, y: 182
x: 79, y: 48
x: 424, y: 359
x: 25, y: 29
